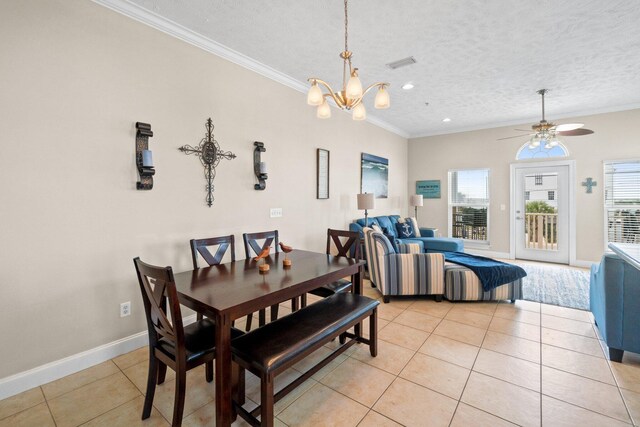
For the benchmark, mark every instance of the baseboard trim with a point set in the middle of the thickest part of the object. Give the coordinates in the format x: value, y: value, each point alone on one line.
x: 23, y: 381
x: 489, y: 254
x: 583, y: 263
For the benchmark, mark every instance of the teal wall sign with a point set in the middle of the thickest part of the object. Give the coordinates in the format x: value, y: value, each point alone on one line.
x: 429, y: 189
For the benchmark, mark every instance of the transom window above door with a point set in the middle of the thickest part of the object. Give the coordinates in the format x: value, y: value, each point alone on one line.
x: 526, y: 152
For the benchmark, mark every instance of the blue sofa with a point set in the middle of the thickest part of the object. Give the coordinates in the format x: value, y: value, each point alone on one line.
x: 427, y: 241
x: 615, y: 303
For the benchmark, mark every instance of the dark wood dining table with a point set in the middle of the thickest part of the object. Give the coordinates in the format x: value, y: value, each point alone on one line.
x: 226, y: 292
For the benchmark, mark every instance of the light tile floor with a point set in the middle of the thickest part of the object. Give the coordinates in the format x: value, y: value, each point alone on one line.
x: 439, y: 364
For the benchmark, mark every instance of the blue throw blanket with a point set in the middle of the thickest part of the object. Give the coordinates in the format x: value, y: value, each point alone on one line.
x: 491, y: 273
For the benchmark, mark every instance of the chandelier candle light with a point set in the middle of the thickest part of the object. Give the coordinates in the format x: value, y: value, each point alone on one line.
x: 350, y: 97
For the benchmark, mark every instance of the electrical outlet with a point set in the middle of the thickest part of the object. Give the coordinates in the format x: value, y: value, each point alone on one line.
x: 125, y: 309
x: 276, y: 212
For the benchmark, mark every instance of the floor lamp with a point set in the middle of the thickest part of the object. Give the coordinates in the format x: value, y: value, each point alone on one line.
x: 416, y: 200
x: 366, y: 201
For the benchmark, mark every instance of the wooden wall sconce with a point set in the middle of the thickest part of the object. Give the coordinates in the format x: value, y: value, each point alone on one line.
x: 259, y: 167
x: 144, y: 159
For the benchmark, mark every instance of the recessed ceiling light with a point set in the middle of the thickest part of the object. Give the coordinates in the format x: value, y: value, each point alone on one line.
x: 446, y: 120
x: 408, y: 86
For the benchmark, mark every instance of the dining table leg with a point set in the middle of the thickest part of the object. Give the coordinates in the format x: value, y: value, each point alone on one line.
x: 223, y: 371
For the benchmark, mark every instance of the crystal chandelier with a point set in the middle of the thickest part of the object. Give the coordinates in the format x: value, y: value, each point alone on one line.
x: 350, y: 97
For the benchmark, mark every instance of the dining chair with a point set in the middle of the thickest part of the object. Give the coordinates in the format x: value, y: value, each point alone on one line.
x: 347, y: 244
x: 200, y: 249
x: 253, y: 246
x: 171, y: 344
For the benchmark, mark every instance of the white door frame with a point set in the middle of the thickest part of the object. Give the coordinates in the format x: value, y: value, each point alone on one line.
x: 572, y: 203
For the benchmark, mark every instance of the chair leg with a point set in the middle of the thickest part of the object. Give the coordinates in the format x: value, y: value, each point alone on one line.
x: 208, y: 368
x: 386, y: 299
x: 342, y: 338
x: 303, y: 301
x: 238, y: 384
x: 262, y: 317
x: 615, y: 355
x: 181, y: 388
x: 248, y: 323
x: 274, y: 312
x: 373, y: 333
x: 266, y: 400
x: 152, y: 377
x: 199, y: 316
x: 357, y: 330
x: 438, y: 298
x: 294, y: 304
x: 162, y: 372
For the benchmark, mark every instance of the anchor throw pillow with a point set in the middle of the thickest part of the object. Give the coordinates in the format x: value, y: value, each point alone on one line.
x: 405, y: 230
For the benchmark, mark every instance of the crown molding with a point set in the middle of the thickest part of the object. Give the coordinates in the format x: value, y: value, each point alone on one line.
x: 386, y: 126
x: 140, y: 14
x: 527, y: 122
x: 147, y: 17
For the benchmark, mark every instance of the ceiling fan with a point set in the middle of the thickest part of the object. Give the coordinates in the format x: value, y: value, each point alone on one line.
x: 547, y: 133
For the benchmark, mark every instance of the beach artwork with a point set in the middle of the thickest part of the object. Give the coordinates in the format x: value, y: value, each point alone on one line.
x: 375, y: 176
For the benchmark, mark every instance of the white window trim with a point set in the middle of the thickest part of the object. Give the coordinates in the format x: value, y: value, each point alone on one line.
x: 605, y: 209
x: 480, y: 244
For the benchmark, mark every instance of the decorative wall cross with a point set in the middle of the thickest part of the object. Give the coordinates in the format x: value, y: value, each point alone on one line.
x: 589, y: 183
x: 210, y: 154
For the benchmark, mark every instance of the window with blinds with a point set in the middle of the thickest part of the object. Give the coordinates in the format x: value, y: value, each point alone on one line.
x: 469, y: 204
x: 622, y: 201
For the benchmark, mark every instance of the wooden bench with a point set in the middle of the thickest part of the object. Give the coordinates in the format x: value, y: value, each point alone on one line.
x: 275, y: 347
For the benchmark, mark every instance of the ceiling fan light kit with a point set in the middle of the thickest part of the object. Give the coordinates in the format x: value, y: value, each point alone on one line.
x: 547, y: 133
x: 352, y: 93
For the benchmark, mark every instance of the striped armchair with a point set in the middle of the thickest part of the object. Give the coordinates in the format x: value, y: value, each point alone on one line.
x: 408, y: 273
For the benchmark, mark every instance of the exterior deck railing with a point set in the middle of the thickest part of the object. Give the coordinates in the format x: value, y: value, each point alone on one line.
x: 541, y: 231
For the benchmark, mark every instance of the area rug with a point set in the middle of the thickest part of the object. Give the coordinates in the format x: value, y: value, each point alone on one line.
x: 557, y: 285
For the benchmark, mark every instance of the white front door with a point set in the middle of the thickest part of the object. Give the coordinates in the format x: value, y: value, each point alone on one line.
x: 541, y: 209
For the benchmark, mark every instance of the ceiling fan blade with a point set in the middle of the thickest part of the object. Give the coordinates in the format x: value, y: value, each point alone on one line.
x: 517, y: 136
x: 569, y: 126
x: 576, y: 132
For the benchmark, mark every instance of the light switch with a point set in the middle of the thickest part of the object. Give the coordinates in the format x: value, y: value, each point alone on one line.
x: 275, y: 212
x: 503, y: 207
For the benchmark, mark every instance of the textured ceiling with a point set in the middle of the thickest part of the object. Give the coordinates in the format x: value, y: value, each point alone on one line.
x: 479, y: 62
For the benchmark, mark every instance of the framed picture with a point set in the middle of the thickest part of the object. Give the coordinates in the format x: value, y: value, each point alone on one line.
x: 322, y: 165
x: 430, y: 189
x: 374, y: 175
